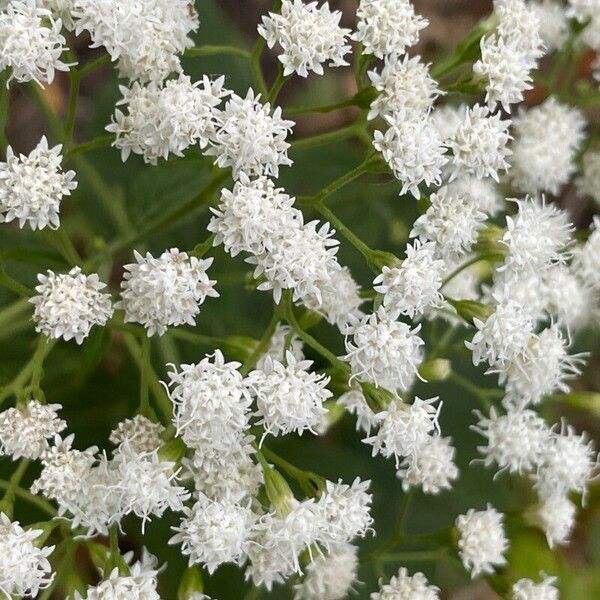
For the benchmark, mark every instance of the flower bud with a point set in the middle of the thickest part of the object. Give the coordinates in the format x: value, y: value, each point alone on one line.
x: 436, y: 369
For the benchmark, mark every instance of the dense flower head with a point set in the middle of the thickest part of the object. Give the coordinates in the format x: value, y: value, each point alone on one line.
x: 452, y: 221
x: 143, y: 36
x: 355, y: 403
x: 211, y: 403
x: 581, y: 9
x: 31, y: 43
x: 384, y: 351
x: 248, y: 138
x: 140, y: 433
x: 387, y: 27
x: 329, y: 576
x: 214, y: 532
x: 404, y: 87
x: 518, y: 22
x: 414, y: 150
x: 547, y: 139
x: 431, y: 467
x: 527, y: 589
x: 415, y: 285
x: 68, y: 305
x: 289, y: 398
x: 32, y: 186
x: 24, y: 567
x: 480, y: 145
x: 482, y: 541
x: 160, y: 119
x: 554, y: 25
x: 309, y: 35
x: 482, y: 192
x: 515, y: 441
x: 555, y: 515
x: 25, y: 429
x: 406, y: 586
x: 165, y: 291
x: 279, y: 346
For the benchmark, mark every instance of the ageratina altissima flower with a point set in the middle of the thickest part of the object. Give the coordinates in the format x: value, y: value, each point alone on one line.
x: 140, y: 433
x: 518, y: 22
x: 516, y: 441
x: 214, y: 532
x: 387, y: 27
x: 414, y: 286
x: 30, y: 42
x: 25, y: 429
x: 482, y: 541
x: 248, y: 138
x: 164, y: 119
x: 289, y: 398
x: 309, y: 35
x: 404, y: 429
x: 407, y: 586
x: 143, y: 36
x: 482, y: 192
x: 452, y: 221
x: 431, y: 467
x: 555, y: 515
x: 279, y: 346
x: 68, y: 305
x: 24, y: 567
x: 480, y: 145
x: 589, y: 182
x: 384, y: 351
x: 527, y: 589
x: 211, y: 403
x: 554, y: 25
x: 547, y: 139
x: 355, y: 403
x: 404, y: 86
x: 329, y: 576
x: 414, y: 150
x: 32, y: 186
x: 165, y: 291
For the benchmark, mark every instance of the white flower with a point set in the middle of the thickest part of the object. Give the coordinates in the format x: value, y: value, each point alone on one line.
x: 570, y: 463
x: 414, y: 151
x: 250, y: 139
x: 309, y: 36
x: 24, y: 568
x: 527, y: 589
x: 547, y: 139
x: 432, y: 466
x: 32, y: 186
x: 554, y: 25
x: 64, y: 471
x: 140, y: 433
x: 165, y: 291
x: 144, y: 36
x: 277, y: 346
x: 405, y: 586
x: 504, y: 68
x: 482, y: 192
x: 212, y: 532
x: 480, y: 144
x: 542, y: 369
x: 355, y: 403
x: 415, y: 285
x: 301, y: 259
x: 145, y: 485
x: 581, y: 10
x: 30, y: 42
x: 61, y: 9
x: 164, y: 119
x: 586, y: 261
x: 452, y: 221
x: 519, y: 23
x: 329, y: 576
x: 536, y: 236
x: 482, y: 542
x: 344, y: 511
x: 446, y: 119
x: 516, y: 441
x: 589, y: 182
x: 252, y: 217
x: 503, y: 336
x: 211, y: 403
x: 405, y: 87
x: 556, y: 515
x: 404, y: 429
x: 289, y: 398
x: 384, y: 351
x: 67, y: 305
x: 387, y: 27
x: 568, y: 298
x: 140, y: 584
x: 25, y: 430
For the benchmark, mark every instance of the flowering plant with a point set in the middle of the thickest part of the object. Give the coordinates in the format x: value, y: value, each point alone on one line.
x: 242, y: 343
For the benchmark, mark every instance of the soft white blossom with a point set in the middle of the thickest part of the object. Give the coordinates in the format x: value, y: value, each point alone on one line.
x: 403, y: 585
x: 482, y: 192
x: 556, y: 515
x: 554, y: 25
x: 140, y: 433
x: 518, y: 22
x: 279, y: 346
x: 527, y: 589
x: 355, y: 403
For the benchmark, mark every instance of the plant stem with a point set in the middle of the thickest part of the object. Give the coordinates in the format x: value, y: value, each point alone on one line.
x: 481, y: 394
x: 462, y: 268
x: 98, y: 142
x: 215, y: 50
x: 66, y: 247
x: 144, y: 376
x: 4, y: 109
x: 75, y: 79
x: 93, y: 65
x: 13, y: 285
x: 259, y: 78
x: 7, y: 503
x: 326, y: 138
x: 34, y: 500
x: 417, y: 555
x: 262, y: 345
x: 277, y: 85
x: 323, y: 108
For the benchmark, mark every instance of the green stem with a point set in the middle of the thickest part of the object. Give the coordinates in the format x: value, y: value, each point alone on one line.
x: 462, y: 268
x: 7, y: 503
x: 262, y: 345
x: 11, y: 313
x: 481, y: 394
x: 322, y: 108
x: 93, y: 65
x: 277, y: 85
x: 14, y: 286
x: 443, y: 342
x: 328, y: 137
x: 75, y: 78
x: 4, y: 109
x: 98, y: 142
x: 215, y: 50
x: 257, y: 73
x: 66, y: 247
x: 144, y: 377
x: 34, y: 500
x: 417, y: 555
